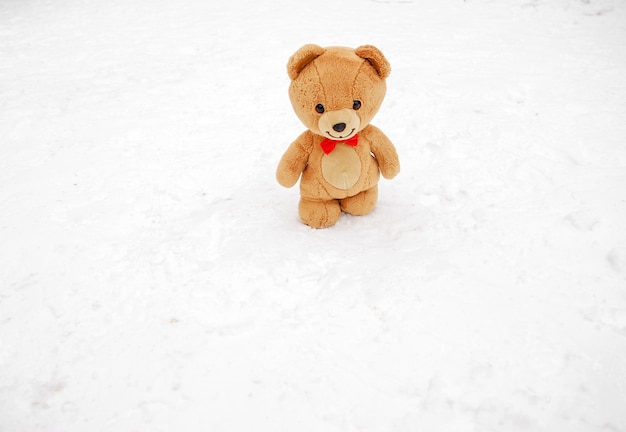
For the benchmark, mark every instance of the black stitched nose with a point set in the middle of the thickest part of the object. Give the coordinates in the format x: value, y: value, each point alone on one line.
x: 339, y: 127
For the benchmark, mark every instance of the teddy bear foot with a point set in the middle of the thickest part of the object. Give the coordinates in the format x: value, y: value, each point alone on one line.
x: 361, y: 203
x: 319, y: 214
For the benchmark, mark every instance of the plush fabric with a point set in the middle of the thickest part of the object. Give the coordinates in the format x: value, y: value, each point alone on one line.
x: 336, y: 92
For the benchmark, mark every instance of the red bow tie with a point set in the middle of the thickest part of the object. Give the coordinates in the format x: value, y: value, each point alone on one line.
x: 328, y: 145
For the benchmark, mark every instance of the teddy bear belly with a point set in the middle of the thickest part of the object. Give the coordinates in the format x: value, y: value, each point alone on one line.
x: 342, y: 167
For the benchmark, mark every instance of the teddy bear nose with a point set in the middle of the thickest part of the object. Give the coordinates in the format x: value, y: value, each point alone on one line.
x: 339, y: 127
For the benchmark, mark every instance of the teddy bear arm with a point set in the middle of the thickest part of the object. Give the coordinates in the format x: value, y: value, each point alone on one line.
x: 293, y: 162
x: 385, y: 153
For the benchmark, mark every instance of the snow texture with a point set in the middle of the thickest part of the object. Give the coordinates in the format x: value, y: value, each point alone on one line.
x: 155, y: 277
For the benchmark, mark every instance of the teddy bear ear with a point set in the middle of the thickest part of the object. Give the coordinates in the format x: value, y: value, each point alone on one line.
x: 303, y: 57
x: 376, y: 59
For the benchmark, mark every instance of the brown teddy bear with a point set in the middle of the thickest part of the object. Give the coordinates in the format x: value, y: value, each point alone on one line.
x: 336, y: 92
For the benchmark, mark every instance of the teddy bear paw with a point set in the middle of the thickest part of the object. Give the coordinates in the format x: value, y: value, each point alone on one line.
x: 319, y: 214
x: 361, y: 203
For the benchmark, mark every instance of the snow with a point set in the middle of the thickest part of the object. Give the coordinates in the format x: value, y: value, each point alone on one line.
x: 155, y: 277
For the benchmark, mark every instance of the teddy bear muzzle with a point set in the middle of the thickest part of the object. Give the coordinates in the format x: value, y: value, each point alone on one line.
x: 339, y: 124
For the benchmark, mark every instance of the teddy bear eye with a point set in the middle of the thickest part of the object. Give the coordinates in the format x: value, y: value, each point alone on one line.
x: 356, y: 105
x: 319, y: 108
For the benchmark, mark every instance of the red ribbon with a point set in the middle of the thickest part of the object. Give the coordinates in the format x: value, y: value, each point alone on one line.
x: 329, y: 145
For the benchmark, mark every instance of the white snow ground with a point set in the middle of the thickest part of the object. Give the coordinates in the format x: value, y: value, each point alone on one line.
x: 155, y: 277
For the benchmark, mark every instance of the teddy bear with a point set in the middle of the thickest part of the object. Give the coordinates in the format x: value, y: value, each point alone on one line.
x: 335, y: 92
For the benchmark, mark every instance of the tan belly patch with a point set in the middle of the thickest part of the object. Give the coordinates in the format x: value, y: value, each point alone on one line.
x: 342, y: 167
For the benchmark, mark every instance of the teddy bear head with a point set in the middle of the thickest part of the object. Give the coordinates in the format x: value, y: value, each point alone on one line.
x: 337, y: 91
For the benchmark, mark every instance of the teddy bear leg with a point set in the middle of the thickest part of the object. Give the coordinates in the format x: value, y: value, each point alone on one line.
x: 361, y: 203
x: 319, y: 213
